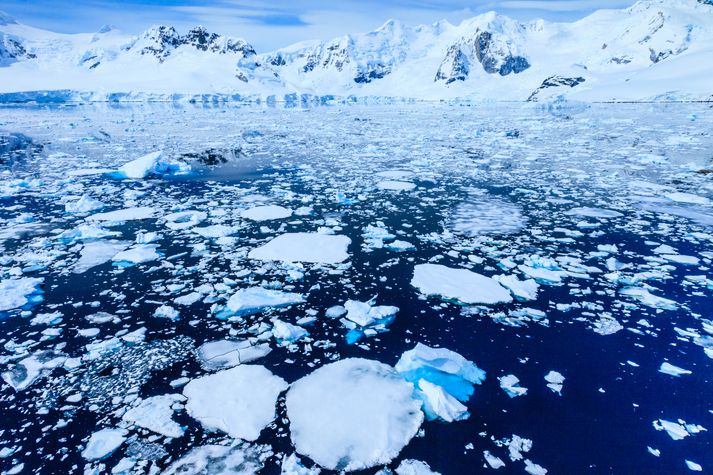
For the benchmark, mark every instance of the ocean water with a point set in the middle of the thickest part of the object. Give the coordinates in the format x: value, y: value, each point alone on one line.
x: 589, y: 201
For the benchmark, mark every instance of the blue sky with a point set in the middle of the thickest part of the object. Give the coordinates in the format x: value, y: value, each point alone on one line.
x: 269, y: 24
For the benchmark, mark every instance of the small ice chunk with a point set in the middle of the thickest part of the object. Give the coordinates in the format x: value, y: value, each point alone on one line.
x: 293, y: 466
x: 555, y: 381
x: 85, y: 204
x: 222, y: 354
x: 253, y: 300
x: 492, y: 460
x: 239, y: 401
x: 366, y: 313
x: 521, y: 289
x: 286, y: 333
x: 648, y: 299
x: 461, y: 285
x: 335, y: 311
x: 166, y: 311
x: 304, y: 247
x: 668, y: 368
x: 593, y: 213
x: 138, y: 254
x: 154, y: 414
x: 534, y: 469
x: 365, y: 407
x: 438, y: 404
x: 103, y: 443
x: 511, y: 385
x: 238, y: 458
x: 694, y: 466
x: 394, y: 185
x: 414, y: 467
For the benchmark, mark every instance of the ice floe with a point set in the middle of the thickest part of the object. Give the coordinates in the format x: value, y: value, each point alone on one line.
x: 103, y: 443
x: 155, y: 414
x: 239, y: 401
x: 222, y: 354
x: 460, y: 285
x: 304, y: 247
x: 511, y: 385
x: 256, y: 299
x: 15, y: 293
x: 352, y: 414
x: 266, y: 213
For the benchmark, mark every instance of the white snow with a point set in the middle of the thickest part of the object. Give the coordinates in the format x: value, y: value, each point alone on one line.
x: 239, y: 401
x: 138, y: 254
x: 461, y: 285
x: 85, y: 204
x: 286, y: 333
x: 366, y: 313
x: 394, y: 185
x: 155, y: 414
x: 126, y: 214
x: 414, y: 467
x: 352, y: 414
x: 304, y: 247
x: 266, y: 213
x: 103, y: 443
x: 555, y: 381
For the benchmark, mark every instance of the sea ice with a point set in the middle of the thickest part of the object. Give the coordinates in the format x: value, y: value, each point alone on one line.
x: 511, y: 385
x: 647, y: 298
x: 352, y: 414
x: 286, y: 333
x: 126, y: 214
x: 103, y: 443
x: 486, y: 216
x: 461, y: 285
x: 239, y: 401
x: 439, y: 404
x: 668, y: 368
x: 266, y: 213
x: 138, y: 254
x: 593, y: 213
x: 366, y: 313
x: 414, y: 467
x: 554, y: 381
x: 521, y: 289
x: 222, y: 354
x: 239, y: 458
x: 15, y: 293
x: 166, y: 311
x: 256, y: 299
x: 96, y: 253
x: 155, y: 414
x: 85, y: 204
x: 394, y: 185
x: 304, y: 247
x: 149, y: 164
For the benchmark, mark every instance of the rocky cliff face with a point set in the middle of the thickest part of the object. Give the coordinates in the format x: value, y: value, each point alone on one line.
x: 494, y: 51
x: 161, y: 41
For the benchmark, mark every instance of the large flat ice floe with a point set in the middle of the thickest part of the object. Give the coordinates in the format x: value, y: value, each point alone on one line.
x: 352, y: 414
x: 266, y: 213
x: 155, y: 414
x: 239, y: 401
x: 126, y: 214
x: 461, y: 285
x: 304, y: 247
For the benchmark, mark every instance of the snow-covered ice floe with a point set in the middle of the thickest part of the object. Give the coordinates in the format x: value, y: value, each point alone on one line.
x: 352, y: 414
x: 461, y: 285
x: 304, y: 247
x: 256, y: 299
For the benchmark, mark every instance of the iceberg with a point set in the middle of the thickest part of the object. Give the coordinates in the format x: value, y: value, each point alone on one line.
x: 352, y: 414
x: 286, y: 333
x: 147, y: 165
x: 460, y: 285
x: 239, y: 401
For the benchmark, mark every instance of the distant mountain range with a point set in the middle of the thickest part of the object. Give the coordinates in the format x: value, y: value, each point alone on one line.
x: 655, y: 50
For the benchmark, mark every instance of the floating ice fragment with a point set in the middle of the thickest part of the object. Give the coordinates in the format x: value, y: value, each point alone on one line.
x: 30, y: 369
x: 266, y: 213
x: 237, y: 459
x: 166, y: 311
x: 16, y: 293
x: 149, y: 164
x: 521, y: 289
x: 239, y: 401
x: 677, y: 430
x: 352, y: 414
x: 442, y: 367
x: 138, y: 254
x: 438, y: 404
x: 606, y: 325
x: 256, y: 299
x: 366, y: 313
x: 593, y: 213
x: 304, y: 247
x: 460, y: 285
x: 492, y: 460
x: 688, y: 198
x: 486, y: 216
x: 668, y: 368
x: 103, y: 443
x: 97, y: 253
x: 215, y: 231
x: 414, y: 467
x: 648, y: 299
x: 85, y: 204
x: 554, y: 381
x: 154, y: 414
x: 694, y: 466
x: 534, y: 469
x: 293, y: 466
x: 682, y: 259
x: 286, y: 333
x: 223, y: 354
x: 184, y: 219
x: 510, y: 384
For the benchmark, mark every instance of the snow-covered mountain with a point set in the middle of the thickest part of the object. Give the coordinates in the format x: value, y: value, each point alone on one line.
x: 654, y: 50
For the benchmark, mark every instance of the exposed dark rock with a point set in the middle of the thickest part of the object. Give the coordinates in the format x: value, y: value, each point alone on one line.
x: 556, y: 81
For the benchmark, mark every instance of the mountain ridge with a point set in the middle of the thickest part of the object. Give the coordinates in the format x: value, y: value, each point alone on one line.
x: 652, y: 50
